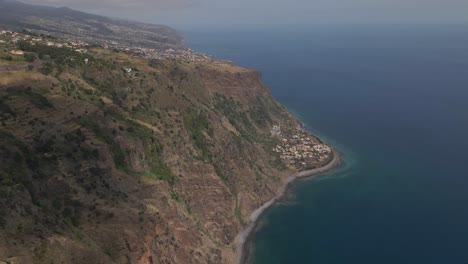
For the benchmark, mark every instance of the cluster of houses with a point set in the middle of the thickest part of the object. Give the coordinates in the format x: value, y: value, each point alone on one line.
x: 8, y: 32
x: 9, y: 36
x: 14, y: 37
x: 300, y: 149
x: 175, y: 54
x: 180, y: 54
x: 186, y: 55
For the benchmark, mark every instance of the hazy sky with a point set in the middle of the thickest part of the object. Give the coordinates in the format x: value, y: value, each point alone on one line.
x: 278, y: 12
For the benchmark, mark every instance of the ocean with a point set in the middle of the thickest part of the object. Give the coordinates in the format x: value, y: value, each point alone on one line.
x: 394, y: 101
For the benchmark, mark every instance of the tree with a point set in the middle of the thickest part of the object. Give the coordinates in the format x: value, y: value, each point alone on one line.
x: 47, y: 68
x: 29, y: 57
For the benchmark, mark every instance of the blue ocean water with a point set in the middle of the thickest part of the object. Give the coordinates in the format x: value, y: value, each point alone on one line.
x: 394, y: 100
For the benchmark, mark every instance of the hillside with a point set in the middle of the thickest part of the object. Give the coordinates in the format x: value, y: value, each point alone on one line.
x: 110, y: 158
x: 79, y: 26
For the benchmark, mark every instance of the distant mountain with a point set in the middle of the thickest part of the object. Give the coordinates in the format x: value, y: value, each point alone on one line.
x: 67, y: 23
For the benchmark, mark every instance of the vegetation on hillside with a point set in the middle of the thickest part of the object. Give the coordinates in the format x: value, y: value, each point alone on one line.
x: 100, y: 160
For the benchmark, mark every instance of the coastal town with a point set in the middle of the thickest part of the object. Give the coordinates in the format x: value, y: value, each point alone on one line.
x: 175, y: 54
x: 300, y: 149
x: 180, y: 54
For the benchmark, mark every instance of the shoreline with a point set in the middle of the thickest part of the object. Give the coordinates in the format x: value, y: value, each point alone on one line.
x: 244, y: 237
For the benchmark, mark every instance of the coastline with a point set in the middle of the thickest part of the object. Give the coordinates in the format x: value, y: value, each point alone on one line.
x: 244, y: 237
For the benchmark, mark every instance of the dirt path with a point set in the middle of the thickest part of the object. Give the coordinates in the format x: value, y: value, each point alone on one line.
x: 13, y: 67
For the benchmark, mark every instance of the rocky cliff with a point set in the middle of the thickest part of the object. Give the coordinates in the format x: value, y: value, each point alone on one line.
x: 107, y: 158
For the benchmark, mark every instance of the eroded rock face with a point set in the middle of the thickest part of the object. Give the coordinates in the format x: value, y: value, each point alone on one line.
x: 166, y: 170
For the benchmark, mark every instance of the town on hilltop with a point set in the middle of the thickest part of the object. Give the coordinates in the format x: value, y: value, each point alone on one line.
x: 176, y: 54
x: 300, y: 149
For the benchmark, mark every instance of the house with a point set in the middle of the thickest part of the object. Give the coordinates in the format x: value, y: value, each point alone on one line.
x: 128, y: 70
x: 276, y: 130
x: 17, y: 52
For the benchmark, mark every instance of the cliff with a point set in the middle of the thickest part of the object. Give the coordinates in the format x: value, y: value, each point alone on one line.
x: 108, y: 158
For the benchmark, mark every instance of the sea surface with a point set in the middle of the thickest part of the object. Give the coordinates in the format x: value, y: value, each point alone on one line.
x: 394, y: 101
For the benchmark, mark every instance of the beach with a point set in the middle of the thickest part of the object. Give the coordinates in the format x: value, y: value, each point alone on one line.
x: 243, y: 239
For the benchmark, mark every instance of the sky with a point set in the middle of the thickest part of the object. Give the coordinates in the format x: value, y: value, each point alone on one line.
x: 186, y: 13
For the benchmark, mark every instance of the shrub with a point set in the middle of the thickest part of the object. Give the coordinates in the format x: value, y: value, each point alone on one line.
x: 196, y: 125
x: 29, y: 57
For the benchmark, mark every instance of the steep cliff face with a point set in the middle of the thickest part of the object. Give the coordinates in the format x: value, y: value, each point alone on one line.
x: 162, y: 164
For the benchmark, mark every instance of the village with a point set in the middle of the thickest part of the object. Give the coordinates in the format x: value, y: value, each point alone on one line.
x: 300, y: 149
x: 175, y: 54
x: 14, y: 37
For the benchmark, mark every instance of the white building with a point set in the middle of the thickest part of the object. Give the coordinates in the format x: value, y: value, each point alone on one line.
x: 17, y: 52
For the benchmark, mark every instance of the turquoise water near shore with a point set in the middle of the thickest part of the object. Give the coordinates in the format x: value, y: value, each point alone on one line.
x: 394, y: 100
